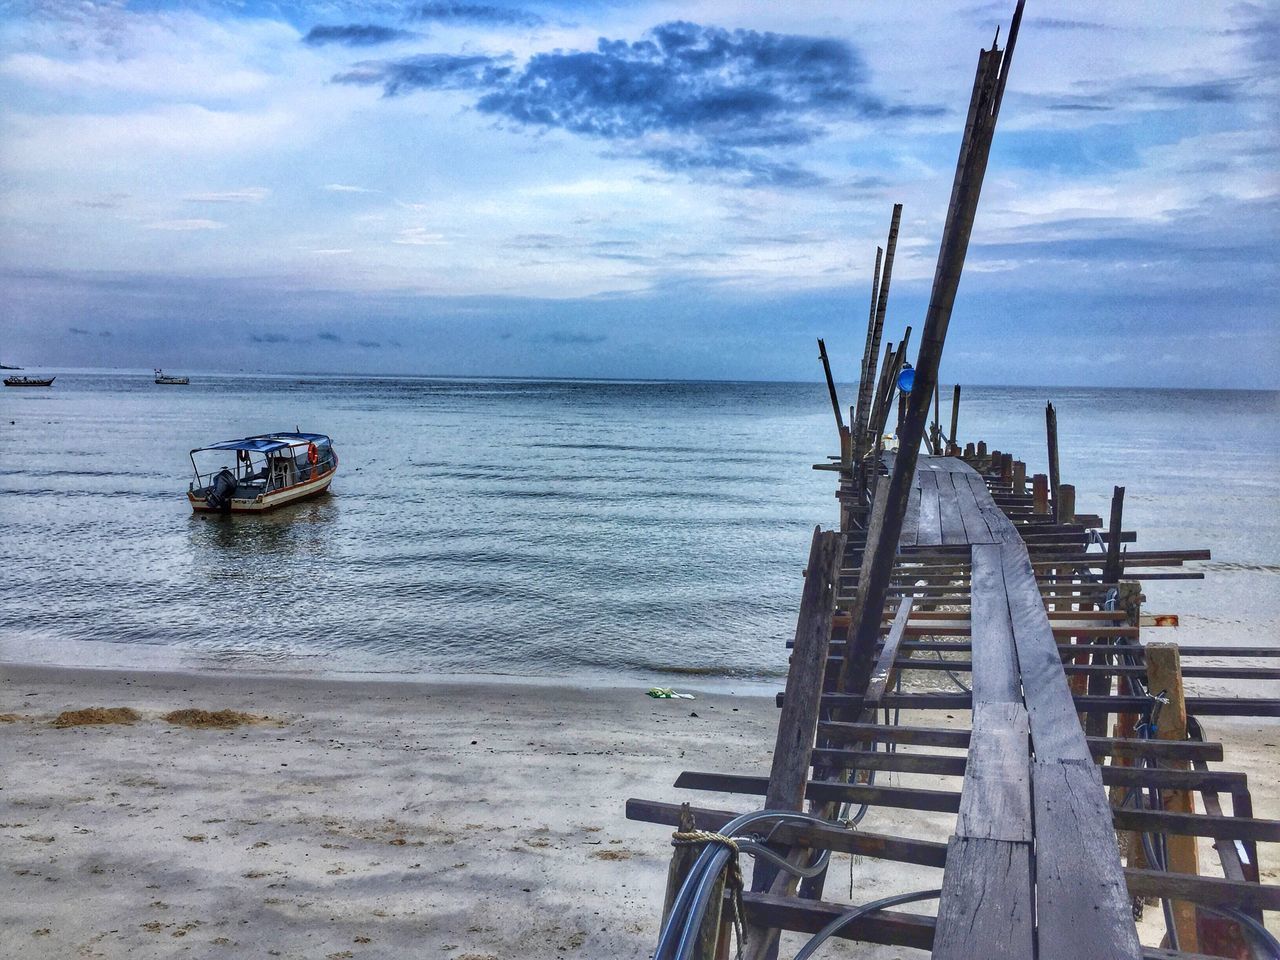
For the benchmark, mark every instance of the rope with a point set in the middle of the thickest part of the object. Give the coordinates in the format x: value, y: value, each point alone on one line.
x: 733, y: 872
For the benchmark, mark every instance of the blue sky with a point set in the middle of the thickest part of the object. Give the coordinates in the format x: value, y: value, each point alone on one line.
x: 646, y: 189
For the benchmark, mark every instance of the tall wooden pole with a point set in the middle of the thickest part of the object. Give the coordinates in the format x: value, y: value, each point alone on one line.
x: 867, y: 374
x: 891, y: 499
x: 955, y: 417
x: 881, y: 305
x: 1051, y: 434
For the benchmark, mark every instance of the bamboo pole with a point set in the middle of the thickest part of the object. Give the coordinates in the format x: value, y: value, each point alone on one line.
x: 890, y: 502
x: 1164, y: 676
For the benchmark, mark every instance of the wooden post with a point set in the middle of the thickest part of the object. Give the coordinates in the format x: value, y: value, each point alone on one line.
x: 982, y: 454
x: 969, y: 451
x: 1113, y: 569
x: 798, y: 721
x: 682, y: 859
x: 955, y: 415
x: 1051, y: 432
x: 890, y: 503
x: 1019, y: 477
x: 831, y: 385
x: 867, y: 372
x: 879, y: 306
x: 1006, y: 468
x: 1066, y: 503
x: 1040, y: 494
x: 935, y: 430
x: 1164, y: 676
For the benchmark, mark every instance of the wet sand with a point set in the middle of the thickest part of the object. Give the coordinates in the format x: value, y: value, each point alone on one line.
x: 380, y: 819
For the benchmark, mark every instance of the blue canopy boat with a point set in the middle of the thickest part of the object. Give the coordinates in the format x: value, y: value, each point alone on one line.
x: 270, y: 470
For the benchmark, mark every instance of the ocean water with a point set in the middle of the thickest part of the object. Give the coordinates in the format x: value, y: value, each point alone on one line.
x: 632, y: 531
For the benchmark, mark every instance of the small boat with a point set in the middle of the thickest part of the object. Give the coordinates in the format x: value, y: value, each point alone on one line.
x: 29, y: 381
x: 270, y: 470
x: 171, y: 381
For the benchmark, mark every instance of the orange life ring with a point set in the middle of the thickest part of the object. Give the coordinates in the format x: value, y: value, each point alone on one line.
x: 313, y: 455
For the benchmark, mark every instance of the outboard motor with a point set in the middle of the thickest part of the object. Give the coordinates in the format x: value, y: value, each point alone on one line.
x: 221, y: 490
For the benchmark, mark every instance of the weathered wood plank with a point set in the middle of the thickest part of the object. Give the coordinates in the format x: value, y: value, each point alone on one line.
x: 911, y: 519
x: 995, y: 663
x: 953, y: 529
x: 986, y: 908
x: 995, y: 799
x: 810, y: 916
x: 1055, y: 730
x: 929, y: 522
x: 975, y: 524
x: 884, y: 667
x: 1082, y: 904
x: 906, y: 798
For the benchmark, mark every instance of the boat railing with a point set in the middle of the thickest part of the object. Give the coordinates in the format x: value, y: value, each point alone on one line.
x: 301, y: 473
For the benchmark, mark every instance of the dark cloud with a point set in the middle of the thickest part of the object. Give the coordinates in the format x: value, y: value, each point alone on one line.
x: 430, y: 71
x: 477, y: 13
x: 1053, y: 23
x: 729, y: 95
x: 79, y: 331
x: 1208, y: 91
x: 328, y: 337
x: 369, y: 344
x: 268, y: 338
x: 354, y: 35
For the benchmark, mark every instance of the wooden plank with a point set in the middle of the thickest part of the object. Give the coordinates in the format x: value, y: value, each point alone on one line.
x: 929, y: 523
x: 986, y: 908
x: 1055, y: 730
x: 911, y: 519
x: 884, y: 667
x: 995, y: 673
x: 949, y: 737
x: 799, y: 717
x: 1082, y: 904
x: 1197, y: 825
x: 928, y: 853
x: 810, y: 916
x: 1214, y: 891
x: 906, y: 798
x: 953, y: 529
x: 798, y: 721
x: 995, y: 799
x: 975, y: 524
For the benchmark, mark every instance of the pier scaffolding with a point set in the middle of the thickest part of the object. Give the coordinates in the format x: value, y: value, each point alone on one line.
x: 966, y: 626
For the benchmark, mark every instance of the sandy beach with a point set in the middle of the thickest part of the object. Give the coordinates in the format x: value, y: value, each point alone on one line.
x: 375, y: 818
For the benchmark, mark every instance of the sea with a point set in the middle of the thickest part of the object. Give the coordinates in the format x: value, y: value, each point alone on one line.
x: 569, y: 531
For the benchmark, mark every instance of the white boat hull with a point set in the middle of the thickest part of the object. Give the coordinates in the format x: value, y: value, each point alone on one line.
x: 266, y: 501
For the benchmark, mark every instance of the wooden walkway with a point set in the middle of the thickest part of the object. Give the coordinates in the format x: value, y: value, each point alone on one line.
x: 1032, y: 868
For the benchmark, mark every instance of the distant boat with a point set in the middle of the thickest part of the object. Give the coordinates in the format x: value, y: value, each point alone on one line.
x: 172, y: 381
x: 271, y: 469
x: 29, y: 381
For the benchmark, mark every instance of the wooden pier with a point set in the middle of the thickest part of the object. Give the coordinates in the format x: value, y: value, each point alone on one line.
x: 964, y: 623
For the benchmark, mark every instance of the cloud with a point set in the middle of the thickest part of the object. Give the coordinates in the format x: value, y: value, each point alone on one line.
x: 419, y: 237
x: 428, y: 71
x: 268, y: 338
x: 79, y: 331
x: 247, y: 195
x: 186, y: 225
x: 328, y: 337
x: 567, y: 338
x: 109, y: 202
x: 1053, y: 23
x: 714, y: 99
x: 347, y: 188
x: 369, y: 344
x: 477, y: 13
x: 354, y: 35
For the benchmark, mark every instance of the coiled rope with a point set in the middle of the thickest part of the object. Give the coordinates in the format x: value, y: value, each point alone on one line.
x: 733, y: 872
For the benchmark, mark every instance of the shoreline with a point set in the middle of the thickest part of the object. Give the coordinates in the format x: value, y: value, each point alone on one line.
x: 379, y: 818
x: 364, y: 819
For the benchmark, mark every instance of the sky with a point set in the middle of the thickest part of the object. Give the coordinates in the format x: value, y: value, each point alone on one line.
x: 643, y: 189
